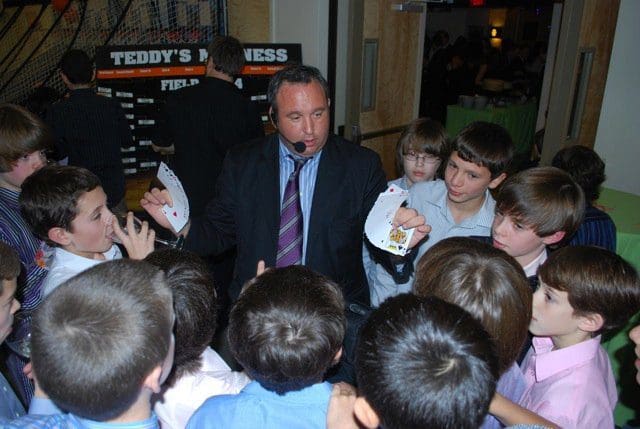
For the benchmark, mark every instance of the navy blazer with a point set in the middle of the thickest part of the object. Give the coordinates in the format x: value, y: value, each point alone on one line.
x: 246, y: 212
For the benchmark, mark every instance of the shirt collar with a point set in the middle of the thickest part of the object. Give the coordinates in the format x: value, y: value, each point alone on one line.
x: 550, y: 362
x: 308, y: 395
x: 66, y: 258
x: 531, y: 269
x: 284, y: 152
x: 483, y: 217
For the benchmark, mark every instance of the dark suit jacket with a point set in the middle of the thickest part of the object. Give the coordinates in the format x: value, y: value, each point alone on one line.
x: 91, y: 129
x: 246, y: 212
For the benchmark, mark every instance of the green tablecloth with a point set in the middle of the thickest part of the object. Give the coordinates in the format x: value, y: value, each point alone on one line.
x: 624, y: 209
x: 519, y: 120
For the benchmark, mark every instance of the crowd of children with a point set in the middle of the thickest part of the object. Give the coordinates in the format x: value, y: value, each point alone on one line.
x: 495, y: 319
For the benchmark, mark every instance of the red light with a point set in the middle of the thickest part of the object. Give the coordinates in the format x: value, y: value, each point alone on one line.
x: 476, y: 3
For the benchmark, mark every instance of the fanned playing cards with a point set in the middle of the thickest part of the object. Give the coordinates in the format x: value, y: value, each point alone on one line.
x: 379, y: 225
x: 178, y: 215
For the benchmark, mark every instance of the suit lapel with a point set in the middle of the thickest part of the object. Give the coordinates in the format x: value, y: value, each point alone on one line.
x: 330, y: 174
x: 268, y: 183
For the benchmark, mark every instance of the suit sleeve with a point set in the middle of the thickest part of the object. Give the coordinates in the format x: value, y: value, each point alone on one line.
x: 215, y: 230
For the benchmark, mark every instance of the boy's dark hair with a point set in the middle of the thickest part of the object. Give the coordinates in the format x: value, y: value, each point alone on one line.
x: 77, y: 67
x: 227, y: 54
x: 484, y: 281
x: 49, y: 197
x: 99, y: 335
x: 297, y: 74
x: 485, y: 144
x: 425, y: 363
x: 545, y: 199
x: 9, y: 264
x: 585, y: 166
x: 286, y: 328
x: 422, y: 135
x: 21, y: 133
x: 596, y: 281
x: 194, y: 304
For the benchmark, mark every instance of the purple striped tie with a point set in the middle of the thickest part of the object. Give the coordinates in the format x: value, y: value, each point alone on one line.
x: 290, y: 235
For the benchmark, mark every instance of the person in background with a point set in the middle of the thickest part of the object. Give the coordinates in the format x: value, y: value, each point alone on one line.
x: 91, y: 129
x: 587, y: 169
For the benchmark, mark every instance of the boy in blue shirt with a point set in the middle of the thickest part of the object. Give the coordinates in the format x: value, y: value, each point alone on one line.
x: 286, y: 330
x: 102, y: 344
x: 461, y: 204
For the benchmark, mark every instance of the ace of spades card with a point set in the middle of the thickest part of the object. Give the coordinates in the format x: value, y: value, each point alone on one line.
x: 379, y: 224
x: 178, y: 215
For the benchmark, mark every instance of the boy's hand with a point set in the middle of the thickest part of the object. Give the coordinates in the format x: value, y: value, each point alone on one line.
x: 340, y: 413
x: 410, y: 218
x: 153, y: 201
x: 138, y: 243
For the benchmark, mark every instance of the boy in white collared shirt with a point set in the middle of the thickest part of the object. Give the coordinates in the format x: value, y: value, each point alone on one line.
x: 67, y: 207
x: 536, y: 208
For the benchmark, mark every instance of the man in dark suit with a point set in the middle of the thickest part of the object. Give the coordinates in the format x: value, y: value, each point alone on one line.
x: 203, y: 121
x: 91, y: 129
x: 339, y: 184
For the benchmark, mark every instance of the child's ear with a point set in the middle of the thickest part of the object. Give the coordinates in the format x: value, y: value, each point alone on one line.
x: 59, y: 236
x: 365, y: 414
x: 497, y: 181
x: 591, y: 322
x: 152, y: 381
x: 554, y: 238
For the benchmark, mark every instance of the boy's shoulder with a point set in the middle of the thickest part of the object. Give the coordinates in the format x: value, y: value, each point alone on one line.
x: 573, y: 384
x: 433, y: 192
x: 65, y: 265
x: 43, y: 422
x: 254, y: 406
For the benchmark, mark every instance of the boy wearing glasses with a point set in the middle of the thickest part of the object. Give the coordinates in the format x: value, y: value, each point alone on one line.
x: 458, y: 206
x: 419, y: 153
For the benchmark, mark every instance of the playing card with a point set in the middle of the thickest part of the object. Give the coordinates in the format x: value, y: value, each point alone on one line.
x: 379, y: 224
x: 178, y: 215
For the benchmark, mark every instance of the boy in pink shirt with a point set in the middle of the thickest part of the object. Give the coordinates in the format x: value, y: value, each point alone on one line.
x: 584, y: 291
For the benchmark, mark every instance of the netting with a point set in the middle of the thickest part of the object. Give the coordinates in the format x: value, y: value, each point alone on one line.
x: 34, y: 37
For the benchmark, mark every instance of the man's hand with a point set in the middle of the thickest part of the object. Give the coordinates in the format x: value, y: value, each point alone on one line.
x: 153, y: 201
x: 340, y: 413
x: 261, y: 268
x: 410, y: 218
x: 138, y: 243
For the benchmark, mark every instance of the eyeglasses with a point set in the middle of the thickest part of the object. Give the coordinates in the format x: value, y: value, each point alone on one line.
x: 424, y: 157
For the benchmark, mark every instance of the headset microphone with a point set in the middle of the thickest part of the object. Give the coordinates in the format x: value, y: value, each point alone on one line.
x: 299, y: 147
